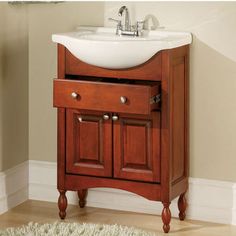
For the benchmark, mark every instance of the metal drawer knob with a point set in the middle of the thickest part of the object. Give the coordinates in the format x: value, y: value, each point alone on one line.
x: 123, y: 99
x: 74, y: 95
x: 106, y: 117
x: 80, y: 119
x: 115, y: 117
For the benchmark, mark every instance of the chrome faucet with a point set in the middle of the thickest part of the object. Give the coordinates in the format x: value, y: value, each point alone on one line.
x: 127, y: 28
x: 127, y: 25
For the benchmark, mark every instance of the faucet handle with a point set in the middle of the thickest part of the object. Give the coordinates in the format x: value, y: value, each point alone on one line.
x: 115, y: 20
x: 118, y: 27
x: 140, y: 23
x: 138, y: 27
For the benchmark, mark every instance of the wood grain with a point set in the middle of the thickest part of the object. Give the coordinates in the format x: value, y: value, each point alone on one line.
x: 62, y: 204
x: 95, y: 96
x: 88, y: 143
x: 166, y: 217
x: 182, y: 205
x: 147, y: 190
x: 61, y: 126
x: 137, y: 148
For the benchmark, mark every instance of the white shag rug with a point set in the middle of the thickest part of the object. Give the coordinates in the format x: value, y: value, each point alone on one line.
x: 73, y: 229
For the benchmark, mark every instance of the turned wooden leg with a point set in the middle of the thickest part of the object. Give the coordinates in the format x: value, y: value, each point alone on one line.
x: 82, y: 194
x: 182, y: 205
x: 62, y: 204
x: 166, y: 217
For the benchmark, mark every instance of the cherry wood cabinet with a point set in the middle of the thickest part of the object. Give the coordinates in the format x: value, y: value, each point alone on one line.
x: 125, y: 129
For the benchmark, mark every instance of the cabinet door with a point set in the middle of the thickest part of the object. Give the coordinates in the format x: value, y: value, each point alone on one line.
x: 88, y: 143
x: 137, y: 148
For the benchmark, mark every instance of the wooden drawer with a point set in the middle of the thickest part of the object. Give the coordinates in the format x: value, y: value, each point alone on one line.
x: 104, y: 96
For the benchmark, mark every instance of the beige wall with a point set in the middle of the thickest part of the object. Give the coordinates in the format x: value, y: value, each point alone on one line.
x: 44, y: 20
x: 212, y: 78
x: 25, y: 33
x: 14, y: 85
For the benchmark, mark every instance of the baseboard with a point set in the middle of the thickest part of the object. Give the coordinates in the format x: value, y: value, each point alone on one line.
x: 13, y: 186
x: 234, y: 206
x: 209, y: 200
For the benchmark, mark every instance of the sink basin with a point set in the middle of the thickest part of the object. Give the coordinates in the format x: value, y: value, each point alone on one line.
x: 100, y: 46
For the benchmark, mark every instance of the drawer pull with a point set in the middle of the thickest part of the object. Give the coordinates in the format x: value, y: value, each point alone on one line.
x: 115, y: 117
x: 106, y: 117
x: 74, y: 95
x: 80, y: 119
x: 123, y: 99
x: 155, y: 99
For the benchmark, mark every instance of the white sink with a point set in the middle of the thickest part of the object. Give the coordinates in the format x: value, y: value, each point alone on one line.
x: 100, y: 46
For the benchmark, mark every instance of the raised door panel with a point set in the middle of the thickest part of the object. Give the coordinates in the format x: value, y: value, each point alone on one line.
x: 137, y: 148
x: 88, y: 144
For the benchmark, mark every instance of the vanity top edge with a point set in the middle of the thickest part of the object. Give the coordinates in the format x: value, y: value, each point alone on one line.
x: 111, y: 30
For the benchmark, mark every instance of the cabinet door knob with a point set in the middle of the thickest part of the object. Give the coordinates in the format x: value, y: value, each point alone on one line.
x: 115, y: 117
x: 80, y: 119
x: 106, y: 117
x: 74, y: 95
x: 123, y: 99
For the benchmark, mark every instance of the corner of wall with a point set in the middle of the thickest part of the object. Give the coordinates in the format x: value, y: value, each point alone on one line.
x: 13, y: 85
x: 14, y: 186
x: 234, y: 205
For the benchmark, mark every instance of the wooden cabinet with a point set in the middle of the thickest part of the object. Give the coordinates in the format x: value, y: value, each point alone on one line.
x: 96, y: 145
x: 125, y: 129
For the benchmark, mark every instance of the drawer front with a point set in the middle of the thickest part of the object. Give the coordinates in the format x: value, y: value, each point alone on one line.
x: 124, y: 98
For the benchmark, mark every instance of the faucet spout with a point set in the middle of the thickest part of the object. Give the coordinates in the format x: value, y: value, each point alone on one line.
x: 127, y: 18
x: 121, y: 10
x: 124, y: 26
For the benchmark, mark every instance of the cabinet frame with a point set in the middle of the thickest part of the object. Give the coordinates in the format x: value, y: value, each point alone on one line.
x: 171, y: 68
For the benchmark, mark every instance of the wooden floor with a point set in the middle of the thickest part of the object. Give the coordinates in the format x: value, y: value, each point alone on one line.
x: 44, y: 212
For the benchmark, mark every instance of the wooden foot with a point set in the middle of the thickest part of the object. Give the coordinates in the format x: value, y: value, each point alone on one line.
x: 182, y: 205
x: 166, y: 217
x: 62, y: 204
x: 82, y: 194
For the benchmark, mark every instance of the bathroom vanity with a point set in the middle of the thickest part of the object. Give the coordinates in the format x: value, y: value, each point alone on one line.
x: 124, y: 128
